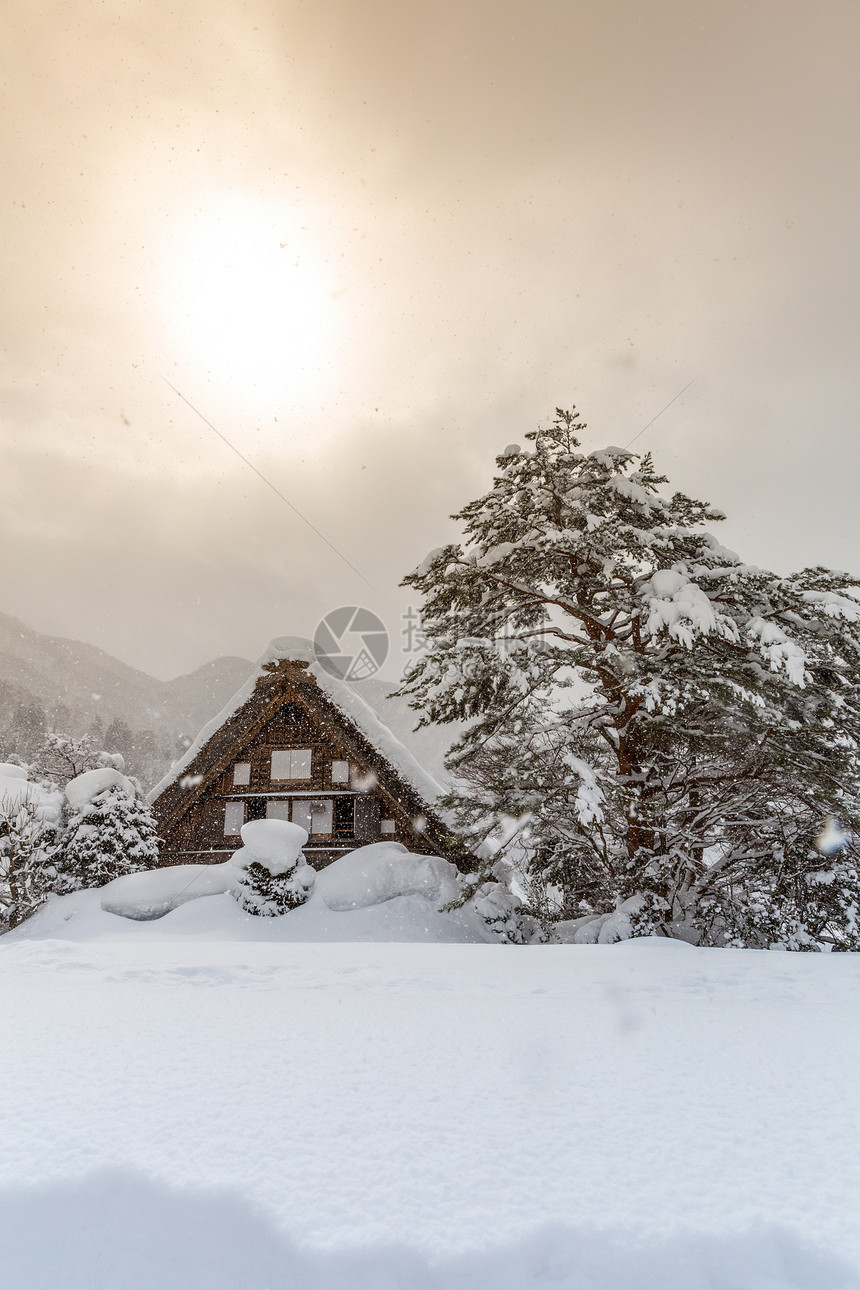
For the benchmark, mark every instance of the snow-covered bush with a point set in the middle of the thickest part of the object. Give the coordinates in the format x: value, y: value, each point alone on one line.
x: 30, y: 820
x: 665, y: 724
x: 275, y: 876
x: 53, y: 842
x: 110, y: 831
x: 629, y: 918
x: 504, y: 914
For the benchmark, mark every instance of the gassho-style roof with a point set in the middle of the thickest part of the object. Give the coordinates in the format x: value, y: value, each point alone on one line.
x: 333, y: 703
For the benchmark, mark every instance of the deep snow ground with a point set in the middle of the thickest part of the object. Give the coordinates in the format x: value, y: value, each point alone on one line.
x: 227, y: 1115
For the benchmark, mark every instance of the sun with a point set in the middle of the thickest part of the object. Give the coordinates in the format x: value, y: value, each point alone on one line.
x: 252, y: 301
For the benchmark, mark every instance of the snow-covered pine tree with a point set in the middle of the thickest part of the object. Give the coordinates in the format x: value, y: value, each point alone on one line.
x: 259, y: 891
x: 275, y: 875
x: 110, y: 831
x: 27, y: 728
x: 30, y: 829
x: 29, y: 837
x: 652, y: 722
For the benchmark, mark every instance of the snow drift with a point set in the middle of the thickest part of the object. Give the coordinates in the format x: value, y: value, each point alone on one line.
x: 379, y: 892
x: 141, y: 1234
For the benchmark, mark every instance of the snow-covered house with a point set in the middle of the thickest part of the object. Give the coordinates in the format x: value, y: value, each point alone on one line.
x: 295, y: 743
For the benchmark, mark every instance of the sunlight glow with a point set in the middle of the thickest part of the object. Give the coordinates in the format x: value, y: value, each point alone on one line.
x: 254, y: 303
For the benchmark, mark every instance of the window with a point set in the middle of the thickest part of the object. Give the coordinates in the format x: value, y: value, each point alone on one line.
x: 302, y: 813
x: 242, y: 772
x: 291, y: 763
x: 315, y: 816
x: 234, y: 818
x: 278, y: 811
x: 321, y: 813
x: 387, y: 826
x: 340, y: 772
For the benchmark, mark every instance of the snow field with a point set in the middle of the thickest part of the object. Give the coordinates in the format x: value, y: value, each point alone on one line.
x: 405, y: 1115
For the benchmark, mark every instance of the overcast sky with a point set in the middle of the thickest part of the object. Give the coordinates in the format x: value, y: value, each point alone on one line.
x: 374, y: 242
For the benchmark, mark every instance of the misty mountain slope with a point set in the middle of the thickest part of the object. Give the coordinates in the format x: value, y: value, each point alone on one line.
x: 56, y: 670
x: 198, y: 696
x: 87, y: 679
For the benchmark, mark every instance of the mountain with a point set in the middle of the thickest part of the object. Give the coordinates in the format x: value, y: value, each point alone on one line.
x: 49, y: 682
x: 59, y: 671
x: 199, y: 696
x: 83, y: 678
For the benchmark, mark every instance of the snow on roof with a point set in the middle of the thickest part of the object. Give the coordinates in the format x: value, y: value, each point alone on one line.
x: 341, y: 694
x: 239, y: 698
x: 295, y: 649
x: 377, y: 733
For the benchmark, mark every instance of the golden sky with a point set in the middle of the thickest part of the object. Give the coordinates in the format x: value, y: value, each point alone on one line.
x: 374, y: 242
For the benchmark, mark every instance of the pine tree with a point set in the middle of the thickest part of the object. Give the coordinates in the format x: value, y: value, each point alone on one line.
x: 110, y: 831
x: 269, y: 894
x: 96, y: 732
x: 118, y: 738
x: 27, y: 728
x: 29, y: 839
x: 652, y: 722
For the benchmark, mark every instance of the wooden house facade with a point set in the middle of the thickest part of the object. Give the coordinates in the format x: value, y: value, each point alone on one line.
x: 291, y: 751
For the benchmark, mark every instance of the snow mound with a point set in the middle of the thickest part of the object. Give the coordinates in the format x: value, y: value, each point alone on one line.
x: 600, y: 929
x: 144, y: 897
x: 14, y: 790
x: 275, y: 844
x: 118, y: 1228
x: 8, y: 770
x: 82, y: 790
x: 295, y: 649
x: 383, y: 871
